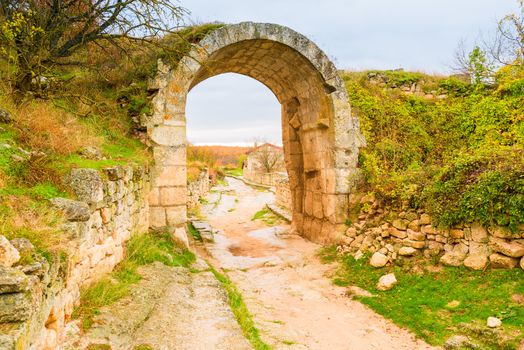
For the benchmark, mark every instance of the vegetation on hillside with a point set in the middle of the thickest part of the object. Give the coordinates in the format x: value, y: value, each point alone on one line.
x: 458, y: 154
x: 85, y: 115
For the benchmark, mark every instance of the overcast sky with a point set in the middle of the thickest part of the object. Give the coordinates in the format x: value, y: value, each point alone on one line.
x: 356, y: 34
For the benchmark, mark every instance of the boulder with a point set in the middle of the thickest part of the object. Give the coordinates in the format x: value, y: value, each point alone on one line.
x: 8, y: 253
x: 378, y: 260
x: 476, y: 262
x: 407, y: 251
x: 502, y: 261
x: 12, y: 280
x: 493, y: 322
x: 387, y: 282
x: 73, y: 210
x: 512, y: 248
x: 87, y: 185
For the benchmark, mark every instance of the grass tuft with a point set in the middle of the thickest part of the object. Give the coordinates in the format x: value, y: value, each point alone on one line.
x: 242, y: 314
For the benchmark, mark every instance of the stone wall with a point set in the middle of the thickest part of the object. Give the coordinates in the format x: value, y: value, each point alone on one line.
x: 392, y: 235
x: 266, y: 179
x: 283, y: 194
x: 198, y: 188
x: 37, y: 299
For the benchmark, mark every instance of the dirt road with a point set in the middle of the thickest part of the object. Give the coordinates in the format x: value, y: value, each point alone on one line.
x: 286, y: 288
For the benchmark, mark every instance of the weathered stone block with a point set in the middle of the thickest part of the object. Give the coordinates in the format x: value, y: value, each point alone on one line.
x: 176, y: 216
x: 157, y: 217
x: 9, y: 255
x: 87, y: 185
x: 73, y: 210
x: 172, y: 196
x: 501, y: 261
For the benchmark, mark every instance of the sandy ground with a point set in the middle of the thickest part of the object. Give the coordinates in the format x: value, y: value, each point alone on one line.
x: 285, y: 286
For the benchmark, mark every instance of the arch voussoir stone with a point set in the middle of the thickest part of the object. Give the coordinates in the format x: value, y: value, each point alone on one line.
x: 321, y: 139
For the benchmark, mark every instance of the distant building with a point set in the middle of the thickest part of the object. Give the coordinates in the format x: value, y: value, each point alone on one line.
x: 265, y: 164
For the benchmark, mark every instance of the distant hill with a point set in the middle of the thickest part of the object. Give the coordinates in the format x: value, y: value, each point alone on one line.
x: 224, y: 155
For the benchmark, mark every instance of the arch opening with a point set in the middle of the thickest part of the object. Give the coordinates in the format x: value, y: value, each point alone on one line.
x: 319, y: 136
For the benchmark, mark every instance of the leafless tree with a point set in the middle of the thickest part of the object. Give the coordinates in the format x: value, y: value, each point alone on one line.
x: 38, y: 34
x: 269, y: 158
x: 506, y: 46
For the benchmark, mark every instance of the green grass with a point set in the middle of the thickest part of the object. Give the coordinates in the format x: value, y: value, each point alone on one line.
x: 420, y: 302
x: 235, y: 172
x: 242, y: 314
x: 267, y: 216
x: 142, y: 249
x: 194, y: 232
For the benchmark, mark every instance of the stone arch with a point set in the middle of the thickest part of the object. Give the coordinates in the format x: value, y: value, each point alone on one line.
x: 320, y: 137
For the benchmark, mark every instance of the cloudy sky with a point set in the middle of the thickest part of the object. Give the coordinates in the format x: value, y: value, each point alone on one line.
x: 356, y: 34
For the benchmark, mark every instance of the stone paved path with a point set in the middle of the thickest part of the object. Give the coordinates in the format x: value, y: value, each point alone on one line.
x: 170, y: 308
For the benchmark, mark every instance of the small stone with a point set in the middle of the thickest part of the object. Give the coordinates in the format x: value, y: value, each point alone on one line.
x: 479, y: 234
x: 358, y: 255
x: 179, y: 237
x: 415, y: 244
x: 453, y: 304
x: 12, y: 280
x: 351, y: 232
x: 353, y: 291
x: 407, y: 251
x: 73, y: 210
x: 425, y: 219
x: 493, y: 322
x: 416, y: 236
x: 400, y: 224
x: 452, y: 259
x: 87, y: 185
x: 456, y: 234
x: 476, y: 262
x: 378, y: 260
x: 114, y: 173
x: 522, y: 263
x: 457, y: 342
x: 502, y: 261
x: 5, y: 116
x: 397, y: 233
x: 23, y: 245
x: 8, y: 253
x: 387, y: 282
x: 91, y: 152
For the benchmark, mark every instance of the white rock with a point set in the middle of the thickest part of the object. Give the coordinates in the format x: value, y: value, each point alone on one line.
x: 407, y: 251
x: 179, y: 236
x: 493, y: 322
x: 378, y: 260
x: 8, y: 253
x: 387, y: 282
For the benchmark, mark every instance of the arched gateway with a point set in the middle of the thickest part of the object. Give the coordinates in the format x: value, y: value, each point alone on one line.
x: 320, y: 137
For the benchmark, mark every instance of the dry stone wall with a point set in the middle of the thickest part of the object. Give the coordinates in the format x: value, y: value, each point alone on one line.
x: 389, y: 236
x: 198, y: 188
x: 283, y: 194
x: 37, y: 298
